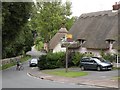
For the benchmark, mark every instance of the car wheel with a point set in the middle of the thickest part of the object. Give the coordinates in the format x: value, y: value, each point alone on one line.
x: 98, y: 68
x: 82, y: 68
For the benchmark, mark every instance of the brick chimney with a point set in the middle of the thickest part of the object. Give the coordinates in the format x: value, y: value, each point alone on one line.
x: 116, y: 6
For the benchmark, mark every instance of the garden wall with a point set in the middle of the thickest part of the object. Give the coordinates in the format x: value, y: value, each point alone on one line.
x: 9, y: 60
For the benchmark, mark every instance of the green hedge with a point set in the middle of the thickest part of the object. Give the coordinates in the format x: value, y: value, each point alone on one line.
x: 52, y: 60
x: 76, y: 58
x: 57, y: 60
x: 109, y: 57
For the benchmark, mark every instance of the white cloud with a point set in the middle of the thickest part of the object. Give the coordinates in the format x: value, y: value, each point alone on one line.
x: 86, y: 6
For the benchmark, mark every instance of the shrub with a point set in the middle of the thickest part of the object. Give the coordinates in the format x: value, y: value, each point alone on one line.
x: 52, y: 60
x: 108, y: 56
x: 76, y: 58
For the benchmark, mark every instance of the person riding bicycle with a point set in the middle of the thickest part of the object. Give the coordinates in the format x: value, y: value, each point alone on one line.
x: 18, y: 64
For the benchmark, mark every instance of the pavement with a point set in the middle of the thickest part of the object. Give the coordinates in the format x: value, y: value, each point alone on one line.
x: 100, y: 82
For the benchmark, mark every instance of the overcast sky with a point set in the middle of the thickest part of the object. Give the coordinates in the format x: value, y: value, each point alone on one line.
x: 86, y: 6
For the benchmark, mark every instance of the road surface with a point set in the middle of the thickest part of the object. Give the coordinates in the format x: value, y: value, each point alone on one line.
x: 19, y: 79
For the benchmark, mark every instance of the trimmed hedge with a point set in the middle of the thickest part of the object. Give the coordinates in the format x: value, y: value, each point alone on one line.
x: 57, y: 60
x: 109, y: 57
x: 76, y: 58
x: 52, y: 60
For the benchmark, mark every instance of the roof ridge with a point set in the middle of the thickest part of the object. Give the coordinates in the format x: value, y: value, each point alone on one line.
x: 62, y: 30
x: 99, y: 13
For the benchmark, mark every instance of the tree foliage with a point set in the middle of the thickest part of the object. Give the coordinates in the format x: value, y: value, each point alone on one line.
x: 48, y: 18
x: 76, y: 58
x: 52, y: 60
x: 16, y: 35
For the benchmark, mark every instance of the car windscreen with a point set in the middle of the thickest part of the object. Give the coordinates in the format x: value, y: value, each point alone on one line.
x: 97, y: 60
x: 102, y: 60
x: 34, y: 61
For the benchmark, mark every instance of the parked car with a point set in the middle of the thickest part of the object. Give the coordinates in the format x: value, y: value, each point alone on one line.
x: 95, y: 63
x: 33, y: 62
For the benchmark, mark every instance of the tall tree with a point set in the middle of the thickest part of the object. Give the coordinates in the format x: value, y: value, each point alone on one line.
x: 15, y: 16
x: 49, y: 17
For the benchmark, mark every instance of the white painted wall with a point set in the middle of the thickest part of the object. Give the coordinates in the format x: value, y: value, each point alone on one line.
x: 58, y: 48
x: 83, y: 50
x: 95, y: 52
x: 112, y: 51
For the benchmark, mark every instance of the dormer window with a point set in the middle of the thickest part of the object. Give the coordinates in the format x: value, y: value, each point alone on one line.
x: 110, y: 42
x: 81, y: 41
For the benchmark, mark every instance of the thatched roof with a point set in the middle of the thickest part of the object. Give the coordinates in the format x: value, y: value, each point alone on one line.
x: 57, y: 38
x: 96, y: 28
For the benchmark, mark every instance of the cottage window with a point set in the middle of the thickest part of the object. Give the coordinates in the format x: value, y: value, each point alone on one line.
x: 81, y: 41
x: 110, y: 42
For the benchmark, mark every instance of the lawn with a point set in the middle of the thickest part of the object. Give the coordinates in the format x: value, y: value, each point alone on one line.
x: 116, y: 68
x: 117, y: 78
x: 65, y: 74
x: 0, y: 67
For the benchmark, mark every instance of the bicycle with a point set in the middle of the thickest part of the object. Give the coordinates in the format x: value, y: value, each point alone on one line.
x: 20, y: 67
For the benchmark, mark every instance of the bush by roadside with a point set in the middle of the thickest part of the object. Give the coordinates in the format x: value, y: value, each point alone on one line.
x: 57, y: 60
x: 76, y: 58
x: 116, y: 68
x: 108, y: 56
x: 52, y: 60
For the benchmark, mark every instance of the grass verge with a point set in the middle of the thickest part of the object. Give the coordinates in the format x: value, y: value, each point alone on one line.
x: 0, y: 67
x: 23, y: 59
x: 72, y: 74
x: 117, y: 78
x: 116, y: 68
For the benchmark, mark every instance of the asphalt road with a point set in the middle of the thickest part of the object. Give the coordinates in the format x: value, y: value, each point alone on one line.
x: 19, y: 79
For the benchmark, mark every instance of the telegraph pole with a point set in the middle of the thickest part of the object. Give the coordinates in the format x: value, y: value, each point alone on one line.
x: 66, y: 70
x: 117, y: 60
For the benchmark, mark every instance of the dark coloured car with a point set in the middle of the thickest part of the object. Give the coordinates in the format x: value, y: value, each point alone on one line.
x: 95, y: 63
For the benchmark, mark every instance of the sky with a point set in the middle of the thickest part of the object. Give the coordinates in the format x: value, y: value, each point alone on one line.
x: 87, y: 6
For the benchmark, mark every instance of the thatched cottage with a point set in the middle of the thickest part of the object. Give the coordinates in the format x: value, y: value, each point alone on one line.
x: 55, y: 42
x: 96, y: 32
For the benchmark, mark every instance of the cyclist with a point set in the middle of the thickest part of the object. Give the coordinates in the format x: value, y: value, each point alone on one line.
x: 18, y: 65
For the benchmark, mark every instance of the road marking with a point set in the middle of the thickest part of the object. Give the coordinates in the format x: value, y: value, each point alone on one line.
x: 103, y: 76
x: 30, y: 75
x: 33, y: 67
